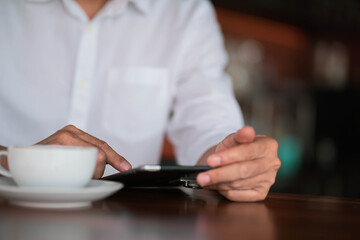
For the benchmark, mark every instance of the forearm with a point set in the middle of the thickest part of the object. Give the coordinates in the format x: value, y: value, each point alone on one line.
x: 203, y: 159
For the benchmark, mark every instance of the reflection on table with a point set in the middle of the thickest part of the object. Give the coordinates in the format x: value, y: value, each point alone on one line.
x: 179, y: 213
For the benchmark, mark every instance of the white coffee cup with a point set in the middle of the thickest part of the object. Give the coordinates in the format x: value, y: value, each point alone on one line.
x: 51, y: 166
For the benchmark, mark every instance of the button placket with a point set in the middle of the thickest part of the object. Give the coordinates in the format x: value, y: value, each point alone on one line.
x: 83, y: 77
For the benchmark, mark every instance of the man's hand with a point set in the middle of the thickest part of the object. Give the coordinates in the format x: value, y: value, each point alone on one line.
x: 246, y: 166
x: 71, y: 135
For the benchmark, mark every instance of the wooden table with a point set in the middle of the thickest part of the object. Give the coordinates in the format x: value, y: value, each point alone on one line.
x: 180, y: 213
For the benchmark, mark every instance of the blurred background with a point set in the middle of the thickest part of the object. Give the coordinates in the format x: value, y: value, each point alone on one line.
x: 296, y: 71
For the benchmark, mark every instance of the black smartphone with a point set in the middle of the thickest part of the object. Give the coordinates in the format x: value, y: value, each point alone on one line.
x: 159, y: 176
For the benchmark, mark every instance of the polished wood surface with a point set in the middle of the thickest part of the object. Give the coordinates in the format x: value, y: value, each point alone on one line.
x: 179, y: 213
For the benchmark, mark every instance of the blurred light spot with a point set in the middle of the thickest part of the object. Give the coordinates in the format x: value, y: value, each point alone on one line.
x: 250, y: 51
x: 290, y: 156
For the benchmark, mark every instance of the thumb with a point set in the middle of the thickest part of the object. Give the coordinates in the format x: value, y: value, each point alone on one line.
x: 245, y: 135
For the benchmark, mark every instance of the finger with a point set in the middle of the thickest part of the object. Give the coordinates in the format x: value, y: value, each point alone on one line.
x: 244, y: 135
x: 66, y: 138
x: 257, y: 194
x: 261, y: 147
x: 113, y: 158
x: 233, y: 172
x: 264, y: 180
x: 243, y: 152
x: 101, y: 162
x: 74, y: 140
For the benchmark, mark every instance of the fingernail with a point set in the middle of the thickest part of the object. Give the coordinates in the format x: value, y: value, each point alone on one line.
x: 203, y: 179
x: 214, y: 161
x: 125, y: 165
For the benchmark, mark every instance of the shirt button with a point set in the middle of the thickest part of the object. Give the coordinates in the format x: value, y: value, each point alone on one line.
x: 83, y: 83
x: 88, y: 29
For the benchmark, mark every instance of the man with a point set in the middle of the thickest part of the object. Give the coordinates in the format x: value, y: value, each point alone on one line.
x: 127, y: 71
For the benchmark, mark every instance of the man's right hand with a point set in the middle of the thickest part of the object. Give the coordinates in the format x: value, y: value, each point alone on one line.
x: 70, y: 135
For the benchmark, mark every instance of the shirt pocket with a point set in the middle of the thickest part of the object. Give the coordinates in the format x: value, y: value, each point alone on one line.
x: 136, y: 102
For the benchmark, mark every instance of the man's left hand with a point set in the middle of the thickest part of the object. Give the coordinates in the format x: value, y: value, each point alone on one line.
x: 246, y: 166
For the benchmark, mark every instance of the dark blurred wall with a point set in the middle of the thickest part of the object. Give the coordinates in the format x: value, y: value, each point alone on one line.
x: 315, y: 16
x: 296, y: 71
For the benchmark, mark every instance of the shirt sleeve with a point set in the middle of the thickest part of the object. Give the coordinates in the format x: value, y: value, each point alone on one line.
x: 205, y: 110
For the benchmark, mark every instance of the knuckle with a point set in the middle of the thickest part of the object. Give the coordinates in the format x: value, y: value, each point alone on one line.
x: 273, y: 179
x: 101, y: 157
x: 229, y: 195
x: 70, y: 127
x: 103, y: 144
x: 243, y: 171
x: 263, y: 196
x: 235, y: 185
x: 273, y: 143
x: 260, y: 196
x: 270, y: 181
x: 277, y: 163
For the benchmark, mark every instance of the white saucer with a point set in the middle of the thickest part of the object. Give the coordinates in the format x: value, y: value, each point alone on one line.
x: 57, y: 198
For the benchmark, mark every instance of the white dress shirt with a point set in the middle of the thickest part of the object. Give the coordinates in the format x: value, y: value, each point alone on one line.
x: 138, y: 70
